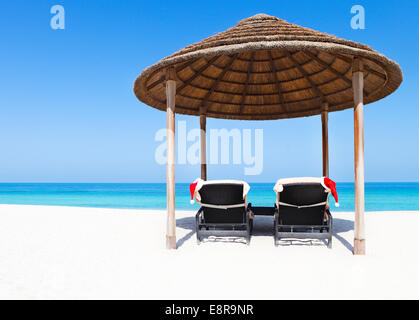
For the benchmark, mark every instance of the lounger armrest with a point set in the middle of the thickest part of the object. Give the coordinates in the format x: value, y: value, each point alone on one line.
x: 249, y: 208
x: 276, y: 213
x: 329, y: 216
x: 198, y: 214
x: 248, y: 212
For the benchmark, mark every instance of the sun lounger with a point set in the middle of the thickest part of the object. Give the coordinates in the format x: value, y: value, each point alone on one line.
x: 302, y: 209
x: 224, y: 210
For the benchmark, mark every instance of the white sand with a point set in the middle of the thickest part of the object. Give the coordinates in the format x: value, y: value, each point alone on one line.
x: 63, y: 252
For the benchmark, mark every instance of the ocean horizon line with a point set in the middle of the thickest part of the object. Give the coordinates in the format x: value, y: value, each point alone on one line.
x: 379, y: 196
x: 164, y: 182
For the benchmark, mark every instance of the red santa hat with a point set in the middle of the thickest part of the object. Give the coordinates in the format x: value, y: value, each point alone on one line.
x: 332, y: 186
x: 192, y: 188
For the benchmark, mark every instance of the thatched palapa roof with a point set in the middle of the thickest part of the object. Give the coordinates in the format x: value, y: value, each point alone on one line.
x: 267, y: 68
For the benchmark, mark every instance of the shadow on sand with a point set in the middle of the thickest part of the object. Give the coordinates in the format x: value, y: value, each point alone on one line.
x: 263, y: 227
x: 189, y: 224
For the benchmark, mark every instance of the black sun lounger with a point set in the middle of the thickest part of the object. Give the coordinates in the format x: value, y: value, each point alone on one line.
x: 223, y: 211
x: 302, y: 210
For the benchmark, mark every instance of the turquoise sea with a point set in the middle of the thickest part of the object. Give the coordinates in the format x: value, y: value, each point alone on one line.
x: 379, y: 196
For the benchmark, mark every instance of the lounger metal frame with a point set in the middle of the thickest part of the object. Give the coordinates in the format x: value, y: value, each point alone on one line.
x: 228, y: 229
x: 325, y: 230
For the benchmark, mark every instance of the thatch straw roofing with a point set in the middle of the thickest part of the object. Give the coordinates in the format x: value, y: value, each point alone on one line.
x: 267, y: 68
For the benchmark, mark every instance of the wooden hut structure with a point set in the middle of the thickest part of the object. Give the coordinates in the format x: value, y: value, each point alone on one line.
x: 265, y: 68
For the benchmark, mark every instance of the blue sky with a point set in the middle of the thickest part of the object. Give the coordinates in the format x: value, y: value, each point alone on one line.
x: 68, y: 113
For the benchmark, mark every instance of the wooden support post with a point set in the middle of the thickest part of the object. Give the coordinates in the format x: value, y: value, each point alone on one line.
x: 325, y: 139
x: 203, y: 124
x: 358, y: 88
x: 170, y: 100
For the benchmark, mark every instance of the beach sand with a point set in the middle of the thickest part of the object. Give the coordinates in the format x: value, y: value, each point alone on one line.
x: 89, y: 253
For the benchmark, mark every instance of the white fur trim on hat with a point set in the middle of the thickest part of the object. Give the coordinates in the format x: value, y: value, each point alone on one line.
x: 279, y: 186
x: 201, y: 183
